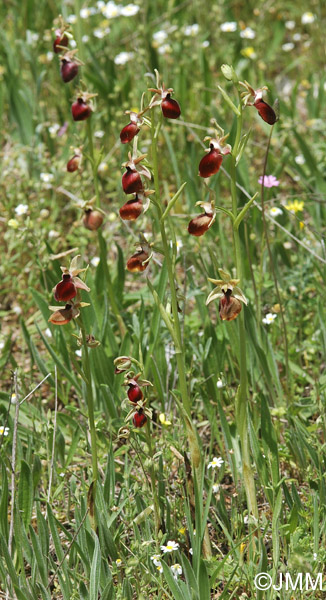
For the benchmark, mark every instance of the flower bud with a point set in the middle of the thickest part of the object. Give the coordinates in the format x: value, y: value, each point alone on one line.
x: 265, y: 111
x: 170, y: 108
x: 131, y: 210
x: 199, y: 225
x: 74, y: 163
x: 210, y: 163
x: 128, y: 133
x: 61, y: 39
x: 131, y: 182
x: 229, y: 73
x: 68, y: 70
x: 93, y: 219
x: 139, y: 419
x: 62, y: 316
x: 122, y: 364
x: 80, y: 110
x: 65, y: 290
x: 229, y: 307
x: 134, y: 393
x: 136, y: 263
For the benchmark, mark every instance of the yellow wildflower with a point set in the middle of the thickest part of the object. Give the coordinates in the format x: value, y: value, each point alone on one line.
x: 249, y: 52
x: 163, y: 420
x: 295, y: 206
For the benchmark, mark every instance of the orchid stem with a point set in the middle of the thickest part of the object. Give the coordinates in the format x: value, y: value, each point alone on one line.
x: 242, y: 394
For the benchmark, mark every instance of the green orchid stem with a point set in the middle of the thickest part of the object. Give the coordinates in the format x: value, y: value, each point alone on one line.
x: 242, y: 394
x: 153, y: 480
x: 288, y: 374
x: 93, y: 161
x: 110, y: 291
x: 194, y: 448
x: 90, y: 409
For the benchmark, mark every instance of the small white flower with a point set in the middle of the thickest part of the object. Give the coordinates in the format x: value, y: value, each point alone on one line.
x: 53, y: 129
x: 297, y: 37
x: 79, y: 353
x: 99, y: 33
x: 130, y: 10
x: 165, y: 49
x: 111, y: 10
x: 95, y: 261
x: 219, y: 383
x: 216, y: 463
x: 17, y: 310
x: 4, y: 431
x: 46, y: 177
x: 73, y: 43
x: 156, y: 558
x: 103, y: 168
x: 21, y: 209
x: 123, y: 58
x: 2, y: 344
x: 290, y: 24
x: 246, y: 519
x: 99, y: 134
x: 159, y: 568
x: 13, y: 399
x: 216, y: 488
x: 100, y: 4
x: 315, y: 555
x: 275, y: 211
x: 160, y: 36
x: 85, y: 13
x: 205, y: 44
x: 191, y: 29
x: 269, y: 318
x: 248, y: 33
x: 49, y: 56
x: 118, y: 562
x: 307, y: 18
x: 191, y: 551
x: 85, y: 39
x: 72, y: 19
x: 170, y: 547
x: 300, y: 159
x: 229, y: 26
x: 53, y: 234
x: 47, y: 332
x: 176, y: 570
x: 288, y: 47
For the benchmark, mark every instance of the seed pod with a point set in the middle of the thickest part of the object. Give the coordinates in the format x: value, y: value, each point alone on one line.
x: 131, y: 210
x: 210, y: 163
x: 134, y: 393
x: 139, y: 419
x: 68, y: 70
x: 135, y: 264
x: 80, y: 110
x: 131, y: 182
x: 199, y: 225
x: 65, y: 290
x: 229, y: 307
x: 60, y: 40
x: 265, y: 111
x: 93, y: 219
x: 128, y: 132
x: 170, y: 108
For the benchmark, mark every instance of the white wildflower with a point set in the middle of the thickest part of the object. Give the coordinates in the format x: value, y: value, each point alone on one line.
x: 307, y: 18
x: 215, y: 463
x: 191, y: 29
x: 228, y: 26
x: 269, y: 318
x: 176, y: 570
x: 130, y: 10
x: 170, y: 547
x: 123, y: 58
x: 275, y: 211
x: 21, y: 209
x: 248, y: 33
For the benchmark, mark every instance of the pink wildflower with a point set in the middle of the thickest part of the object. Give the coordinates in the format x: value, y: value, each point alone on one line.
x: 269, y: 181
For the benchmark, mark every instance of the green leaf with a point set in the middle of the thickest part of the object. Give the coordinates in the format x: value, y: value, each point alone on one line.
x: 25, y: 493
x: 95, y: 570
